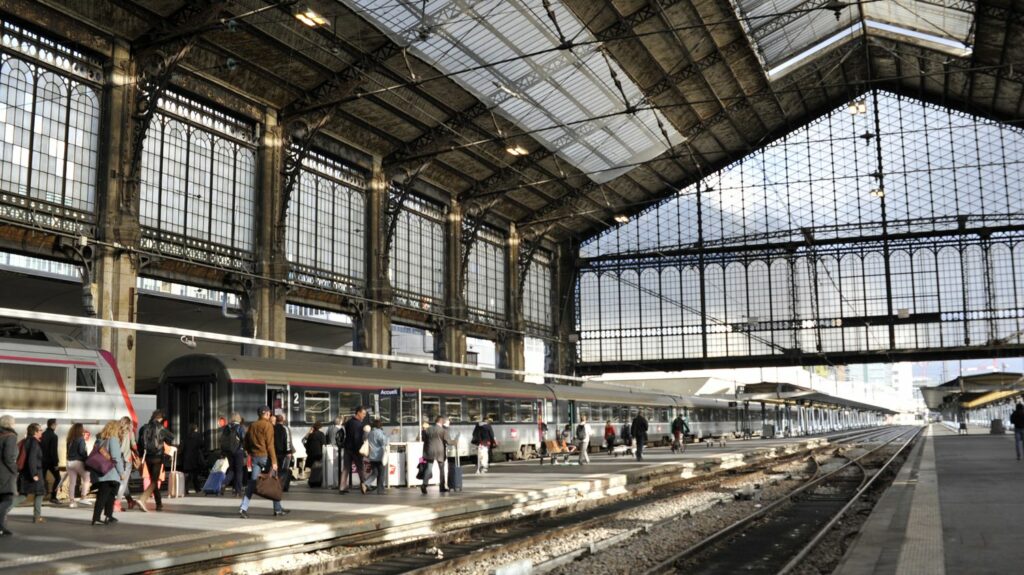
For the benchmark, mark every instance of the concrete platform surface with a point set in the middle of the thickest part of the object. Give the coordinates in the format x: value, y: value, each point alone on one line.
x: 955, y: 508
x: 199, y: 528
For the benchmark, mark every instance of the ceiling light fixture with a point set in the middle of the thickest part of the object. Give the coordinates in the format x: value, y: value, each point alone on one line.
x: 621, y: 218
x: 517, y: 150
x: 310, y: 18
x: 858, y: 107
x: 878, y: 193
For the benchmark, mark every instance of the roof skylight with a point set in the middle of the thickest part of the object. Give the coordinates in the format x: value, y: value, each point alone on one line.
x: 554, y: 92
x: 790, y: 32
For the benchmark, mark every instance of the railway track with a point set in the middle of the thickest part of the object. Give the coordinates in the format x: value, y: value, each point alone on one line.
x: 775, y: 538
x: 465, y: 539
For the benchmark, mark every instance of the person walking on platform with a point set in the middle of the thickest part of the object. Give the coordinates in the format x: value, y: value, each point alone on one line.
x: 130, y: 455
x: 259, y: 441
x: 193, y: 457
x: 679, y: 433
x: 627, y: 436
x: 76, y: 473
x: 152, y: 437
x: 231, y: 448
x: 378, y: 441
x: 51, y: 461
x: 1017, y: 419
x: 435, y: 443
x: 609, y: 436
x: 336, y: 443
x: 284, y: 450
x: 108, y: 483
x: 33, y: 483
x: 483, y: 437
x: 354, y: 437
x: 583, y: 434
x: 314, y: 443
x: 8, y: 469
x: 639, y: 432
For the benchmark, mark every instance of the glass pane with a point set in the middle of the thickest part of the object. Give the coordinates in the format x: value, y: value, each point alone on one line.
x: 474, y: 408
x: 431, y: 408
x: 317, y: 406
x: 453, y: 409
x: 508, y: 411
x: 526, y: 409
x: 493, y: 410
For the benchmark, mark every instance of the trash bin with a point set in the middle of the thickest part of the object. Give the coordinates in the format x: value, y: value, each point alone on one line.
x: 997, y: 427
x: 768, y: 431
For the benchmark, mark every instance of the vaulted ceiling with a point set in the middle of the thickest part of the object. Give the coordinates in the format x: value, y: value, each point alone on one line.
x: 682, y: 87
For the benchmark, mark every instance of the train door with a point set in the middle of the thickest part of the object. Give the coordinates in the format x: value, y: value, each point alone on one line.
x: 190, y: 404
x: 277, y: 399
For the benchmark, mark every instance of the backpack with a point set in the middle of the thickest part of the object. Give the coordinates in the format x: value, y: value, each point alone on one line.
x: 152, y: 439
x: 581, y: 432
x: 476, y: 435
x: 230, y: 443
x: 339, y: 437
x: 22, y: 455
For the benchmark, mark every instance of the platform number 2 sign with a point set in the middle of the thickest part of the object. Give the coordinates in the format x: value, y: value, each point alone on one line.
x: 295, y: 401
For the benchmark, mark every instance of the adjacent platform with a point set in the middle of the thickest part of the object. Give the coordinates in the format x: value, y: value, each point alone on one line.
x: 201, y: 528
x: 956, y: 507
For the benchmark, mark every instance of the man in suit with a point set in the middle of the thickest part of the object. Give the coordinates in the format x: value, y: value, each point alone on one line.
x: 435, y: 440
x: 51, y: 461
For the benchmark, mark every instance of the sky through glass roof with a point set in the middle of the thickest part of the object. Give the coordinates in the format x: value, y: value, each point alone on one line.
x: 542, y: 92
x: 788, y: 32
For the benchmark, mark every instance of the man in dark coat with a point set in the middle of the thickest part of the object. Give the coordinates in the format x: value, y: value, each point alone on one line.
x: 354, y: 437
x: 51, y: 461
x: 284, y: 450
x: 8, y: 469
x: 639, y: 432
x: 435, y: 440
x: 192, y: 457
x: 32, y: 481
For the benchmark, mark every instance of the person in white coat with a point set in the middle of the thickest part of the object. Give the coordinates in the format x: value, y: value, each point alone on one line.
x: 583, y: 435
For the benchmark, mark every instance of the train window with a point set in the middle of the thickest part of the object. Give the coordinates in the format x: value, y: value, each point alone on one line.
x: 33, y: 387
x: 582, y: 410
x: 88, y: 380
x: 318, y: 406
x: 663, y: 414
x: 526, y: 412
x: 632, y: 413
x: 493, y: 410
x: 508, y: 411
x: 607, y: 413
x: 563, y: 411
x: 431, y: 408
x: 474, y: 407
x: 348, y: 401
x: 410, y: 408
x: 617, y: 414
x: 387, y: 409
x: 453, y: 409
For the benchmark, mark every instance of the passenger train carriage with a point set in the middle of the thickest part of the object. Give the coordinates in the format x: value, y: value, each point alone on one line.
x: 46, y: 375
x: 202, y: 389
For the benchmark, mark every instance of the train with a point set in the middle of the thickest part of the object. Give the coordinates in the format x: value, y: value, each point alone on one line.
x: 47, y: 375
x: 205, y: 389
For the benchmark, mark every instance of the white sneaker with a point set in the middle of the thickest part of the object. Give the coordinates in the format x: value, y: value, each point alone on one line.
x: 73, y: 505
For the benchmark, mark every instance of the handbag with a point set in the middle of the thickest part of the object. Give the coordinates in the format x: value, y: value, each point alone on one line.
x: 364, y: 449
x: 99, y: 460
x: 424, y: 469
x: 386, y: 456
x: 269, y: 486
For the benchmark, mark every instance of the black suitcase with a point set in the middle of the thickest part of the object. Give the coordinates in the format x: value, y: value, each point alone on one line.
x: 454, y: 474
x: 316, y: 475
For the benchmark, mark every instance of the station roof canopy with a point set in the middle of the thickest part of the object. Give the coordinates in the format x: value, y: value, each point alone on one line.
x: 788, y: 393
x: 974, y: 391
x: 563, y: 117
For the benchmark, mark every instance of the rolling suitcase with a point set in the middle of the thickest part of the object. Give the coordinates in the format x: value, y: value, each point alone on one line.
x: 176, y: 479
x: 454, y: 474
x: 330, y: 468
x: 214, y: 483
x: 316, y: 475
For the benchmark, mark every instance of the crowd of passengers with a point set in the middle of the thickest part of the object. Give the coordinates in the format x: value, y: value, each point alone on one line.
x: 255, y: 458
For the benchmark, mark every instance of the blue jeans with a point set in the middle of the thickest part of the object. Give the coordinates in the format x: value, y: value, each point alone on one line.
x: 258, y: 465
x: 1018, y: 436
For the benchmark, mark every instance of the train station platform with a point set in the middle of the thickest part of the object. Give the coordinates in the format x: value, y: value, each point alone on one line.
x: 199, y: 528
x: 955, y: 507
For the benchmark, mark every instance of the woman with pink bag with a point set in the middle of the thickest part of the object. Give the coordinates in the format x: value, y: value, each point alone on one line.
x: 107, y: 465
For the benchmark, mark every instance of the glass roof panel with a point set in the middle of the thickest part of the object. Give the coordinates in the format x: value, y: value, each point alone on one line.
x: 546, y: 89
x: 786, y: 32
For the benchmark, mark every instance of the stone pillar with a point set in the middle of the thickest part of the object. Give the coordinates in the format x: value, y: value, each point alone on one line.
x: 114, y: 270
x: 450, y: 334
x: 373, y: 322
x: 512, y: 343
x: 562, y: 359
x: 263, y: 314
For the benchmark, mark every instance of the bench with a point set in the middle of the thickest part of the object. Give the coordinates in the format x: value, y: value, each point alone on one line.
x: 553, y: 449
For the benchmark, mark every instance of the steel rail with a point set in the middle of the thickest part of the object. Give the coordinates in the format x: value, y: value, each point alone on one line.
x: 668, y: 565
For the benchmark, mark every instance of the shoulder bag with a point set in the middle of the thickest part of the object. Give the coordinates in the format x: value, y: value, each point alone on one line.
x: 269, y: 486
x: 99, y: 460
